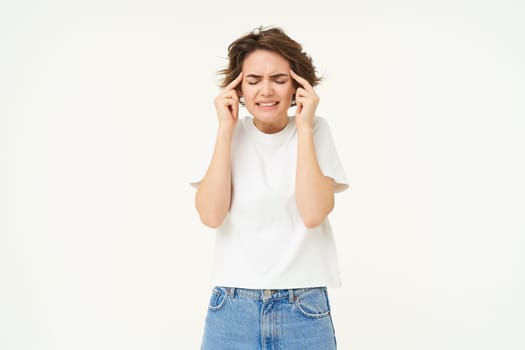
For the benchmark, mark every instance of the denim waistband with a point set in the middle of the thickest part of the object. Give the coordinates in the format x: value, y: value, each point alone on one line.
x: 268, y: 294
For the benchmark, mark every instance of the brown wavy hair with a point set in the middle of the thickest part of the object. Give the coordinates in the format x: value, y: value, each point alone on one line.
x: 271, y: 39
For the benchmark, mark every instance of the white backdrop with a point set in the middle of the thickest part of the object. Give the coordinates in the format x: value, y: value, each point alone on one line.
x: 104, y: 105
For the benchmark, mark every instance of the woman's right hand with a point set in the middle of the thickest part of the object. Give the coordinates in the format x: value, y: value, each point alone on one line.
x: 227, y: 104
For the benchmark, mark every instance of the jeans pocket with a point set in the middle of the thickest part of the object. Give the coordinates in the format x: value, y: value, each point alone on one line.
x: 217, y: 299
x: 313, y: 303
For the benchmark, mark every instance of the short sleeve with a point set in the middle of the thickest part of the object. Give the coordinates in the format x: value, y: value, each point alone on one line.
x: 200, y: 164
x: 196, y: 178
x: 327, y: 155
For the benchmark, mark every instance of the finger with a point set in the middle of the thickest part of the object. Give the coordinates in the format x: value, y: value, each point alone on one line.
x: 228, y: 98
x: 300, y: 104
x: 235, y: 107
x: 306, y: 85
x: 300, y: 92
x: 233, y: 84
x: 229, y: 94
x: 300, y: 99
x: 299, y: 108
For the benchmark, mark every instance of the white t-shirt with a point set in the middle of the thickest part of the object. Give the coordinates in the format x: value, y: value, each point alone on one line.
x: 263, y: 243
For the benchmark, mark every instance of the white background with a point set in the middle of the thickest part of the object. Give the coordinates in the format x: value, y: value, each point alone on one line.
x: 104, y: 105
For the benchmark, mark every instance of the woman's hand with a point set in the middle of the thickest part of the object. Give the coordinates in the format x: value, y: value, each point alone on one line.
x: 307, y: 101
x: 227, y: 104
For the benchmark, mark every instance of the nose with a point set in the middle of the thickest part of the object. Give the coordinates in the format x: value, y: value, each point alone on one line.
x: 266, y: 88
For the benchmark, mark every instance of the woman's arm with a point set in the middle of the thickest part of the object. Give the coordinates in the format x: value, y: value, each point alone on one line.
x: 314, y: 192
x: 213, y: 196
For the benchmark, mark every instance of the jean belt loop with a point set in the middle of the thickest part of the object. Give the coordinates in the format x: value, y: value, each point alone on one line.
x: 291, y: 297
x: 231, y: 292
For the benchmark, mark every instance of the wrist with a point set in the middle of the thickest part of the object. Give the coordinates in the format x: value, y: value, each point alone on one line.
x: 305, y: 129
x: 226, y: 127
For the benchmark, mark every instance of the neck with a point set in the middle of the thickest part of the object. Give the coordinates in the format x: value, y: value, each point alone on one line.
x: 271, y: 127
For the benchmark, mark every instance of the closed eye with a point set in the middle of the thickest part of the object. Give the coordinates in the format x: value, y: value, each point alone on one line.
x: 277, y: 81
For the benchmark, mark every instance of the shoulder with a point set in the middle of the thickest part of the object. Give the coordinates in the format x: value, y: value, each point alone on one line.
x: 320, y: 122
x: 321, y: 125
x: 242, y: 122
x: 242, y: 130
x: 242, y: 125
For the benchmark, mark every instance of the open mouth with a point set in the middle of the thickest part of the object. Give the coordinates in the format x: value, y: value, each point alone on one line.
x: 267, y: 104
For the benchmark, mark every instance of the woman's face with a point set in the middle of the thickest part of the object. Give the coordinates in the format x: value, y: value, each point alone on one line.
x: 267, y: 88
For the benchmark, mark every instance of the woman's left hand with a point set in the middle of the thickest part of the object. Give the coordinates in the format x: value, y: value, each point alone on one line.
x: 307, y: 101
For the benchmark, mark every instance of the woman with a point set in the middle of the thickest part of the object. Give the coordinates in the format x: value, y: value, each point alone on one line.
x: 267, y: 191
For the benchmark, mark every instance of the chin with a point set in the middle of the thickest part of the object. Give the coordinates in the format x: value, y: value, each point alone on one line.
x: 268, y: 117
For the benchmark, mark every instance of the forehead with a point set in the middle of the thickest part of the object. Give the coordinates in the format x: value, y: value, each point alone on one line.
x: 264, y: 62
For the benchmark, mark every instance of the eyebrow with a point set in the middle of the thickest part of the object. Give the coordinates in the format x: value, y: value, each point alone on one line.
x: 278, y: 75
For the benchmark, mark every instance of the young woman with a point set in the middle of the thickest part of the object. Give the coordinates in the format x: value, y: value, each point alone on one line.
x: 267, y: 191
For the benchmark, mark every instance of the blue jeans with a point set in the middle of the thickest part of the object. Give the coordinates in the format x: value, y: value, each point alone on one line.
x: 265, y: 319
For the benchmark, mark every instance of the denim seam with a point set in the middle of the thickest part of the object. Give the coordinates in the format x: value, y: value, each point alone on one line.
x: 217, y: 307
x: 308, y: 314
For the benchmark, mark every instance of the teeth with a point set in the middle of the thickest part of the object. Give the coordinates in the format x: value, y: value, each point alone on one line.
x: 267, y: 104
